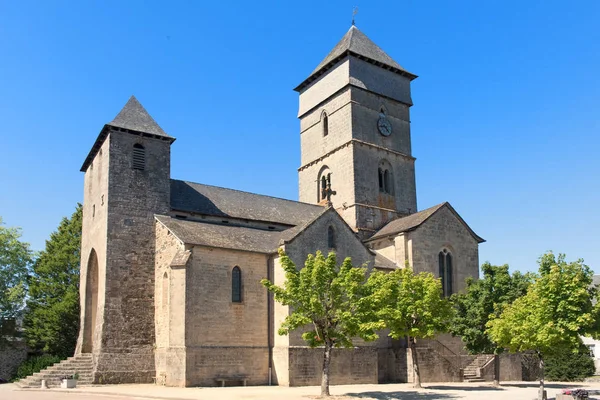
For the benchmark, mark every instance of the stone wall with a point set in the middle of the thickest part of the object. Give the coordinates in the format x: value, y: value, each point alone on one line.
x: 11, y: 356
x: 444, y: 230
x: 226, y: 339
x: 169, y: 314
x: 348, y: 366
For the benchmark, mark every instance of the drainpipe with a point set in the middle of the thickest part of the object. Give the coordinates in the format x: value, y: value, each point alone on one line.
x: 269, y: 318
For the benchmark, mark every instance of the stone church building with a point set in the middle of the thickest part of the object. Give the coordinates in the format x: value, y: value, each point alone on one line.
x: 171, y: 269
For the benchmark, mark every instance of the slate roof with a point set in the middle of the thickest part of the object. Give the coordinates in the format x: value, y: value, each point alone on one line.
x: 413, y: 221
x: 222, y: 236
x: 222, y: 202
x: 134, y: 117
x: 358, y: 44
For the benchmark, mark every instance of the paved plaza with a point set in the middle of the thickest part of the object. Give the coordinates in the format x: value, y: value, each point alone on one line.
x: 467, y: 391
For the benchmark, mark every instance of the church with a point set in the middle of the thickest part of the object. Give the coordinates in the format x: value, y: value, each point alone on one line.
x: 171, y: 269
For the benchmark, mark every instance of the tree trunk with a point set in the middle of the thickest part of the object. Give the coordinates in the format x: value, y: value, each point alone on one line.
x: 541, y: 391
x: 415, y: 363
x: 496, y: 370
x: 325, y: 376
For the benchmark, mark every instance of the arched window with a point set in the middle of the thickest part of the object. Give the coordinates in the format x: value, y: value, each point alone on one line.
x: 325, y: 122
x: 446, y: 273
x: 331, y: 238
x: 323, y: 181
x: 139, y: 157
x: 236, y: 285
x: 386, y: 177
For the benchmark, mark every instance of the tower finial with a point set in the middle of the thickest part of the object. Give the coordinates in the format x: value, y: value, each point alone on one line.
x: 354, y: 12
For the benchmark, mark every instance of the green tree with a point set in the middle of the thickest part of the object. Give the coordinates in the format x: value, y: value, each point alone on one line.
x: 52, y: 317
x: 331, y: 298
x: 410, y: 305
x: 15, y: 263
x: 557, y: 309
x: 570, y: 364
x: 481, y: 300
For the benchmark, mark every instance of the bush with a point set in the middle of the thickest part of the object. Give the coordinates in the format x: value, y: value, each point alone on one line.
x: 35, y: 364
x: 565, y: 365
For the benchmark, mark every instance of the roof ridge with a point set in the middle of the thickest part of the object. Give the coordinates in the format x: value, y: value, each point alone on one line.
x: 244, y: 191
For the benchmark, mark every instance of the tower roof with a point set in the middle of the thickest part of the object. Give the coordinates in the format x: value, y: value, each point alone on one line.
x: 134, y: 117
x: 359, y: 45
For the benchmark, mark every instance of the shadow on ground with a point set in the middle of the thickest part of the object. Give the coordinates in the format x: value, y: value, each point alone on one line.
x: 465, y: 388
x: 546, y: 385
x: 404, y: 395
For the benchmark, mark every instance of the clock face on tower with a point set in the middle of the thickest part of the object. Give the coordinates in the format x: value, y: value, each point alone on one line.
x: 384, y: 126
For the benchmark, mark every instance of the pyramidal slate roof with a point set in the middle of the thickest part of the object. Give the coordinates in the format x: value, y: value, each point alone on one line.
x: 133, y: 117
x: 358, y: 44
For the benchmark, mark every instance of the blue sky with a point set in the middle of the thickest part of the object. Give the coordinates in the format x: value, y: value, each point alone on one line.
x: 505, y: 124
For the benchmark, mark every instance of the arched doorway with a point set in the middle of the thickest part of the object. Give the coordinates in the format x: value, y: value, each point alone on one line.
x: 91, y: 303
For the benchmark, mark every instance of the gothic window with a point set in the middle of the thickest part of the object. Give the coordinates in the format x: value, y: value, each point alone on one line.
x: 385, y: 177
x: 330, y: 238
x: 446, y: 273
x: 139, y: 157
x: 325, y: 122
x: 236, y: 285
x: 323, y: 181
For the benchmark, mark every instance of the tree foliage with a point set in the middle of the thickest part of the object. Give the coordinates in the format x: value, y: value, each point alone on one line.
x: 556, y: 310
x: 331, y: 300
x: 410, y: 305
x: 570, y: 364
x: 52, y: 317
x: 481, y: 300
x: 15, y: 263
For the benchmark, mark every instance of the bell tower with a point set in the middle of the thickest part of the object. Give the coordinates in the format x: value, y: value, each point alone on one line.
x: 355, y: 135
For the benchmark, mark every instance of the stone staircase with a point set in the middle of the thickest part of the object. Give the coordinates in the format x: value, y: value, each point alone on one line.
x: 81, y: 364
x: 472, y: 372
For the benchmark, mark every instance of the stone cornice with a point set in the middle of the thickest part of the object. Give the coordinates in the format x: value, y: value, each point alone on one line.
x: 353, y: 142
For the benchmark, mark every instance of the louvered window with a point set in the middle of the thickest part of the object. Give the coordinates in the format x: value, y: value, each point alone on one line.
x: 139, y: 157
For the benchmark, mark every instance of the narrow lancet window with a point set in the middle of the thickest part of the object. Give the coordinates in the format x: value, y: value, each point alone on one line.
x: 236, y: 285
x: 330, y: 238
x: 325, y: 122
x: 445, y: 270
x: 139, y: 157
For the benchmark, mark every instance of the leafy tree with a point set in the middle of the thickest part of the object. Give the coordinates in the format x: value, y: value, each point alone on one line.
x: 570, y: 364
x: 331, y: 298
x: 15, y: 264
x: 482, y: 299
x: 411, y: 305
x: 556, y: 310
x: 52, y: 317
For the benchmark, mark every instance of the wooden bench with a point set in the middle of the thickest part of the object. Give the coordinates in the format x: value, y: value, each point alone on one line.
x: 222, y: 380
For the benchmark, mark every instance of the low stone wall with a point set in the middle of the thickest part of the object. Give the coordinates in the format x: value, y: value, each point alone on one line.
x: 511, y: 368
x: 348, y: 366
x: 207, y: 364
x: 392, y: 365
x: 11, y: 357
x: 434, y: 367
